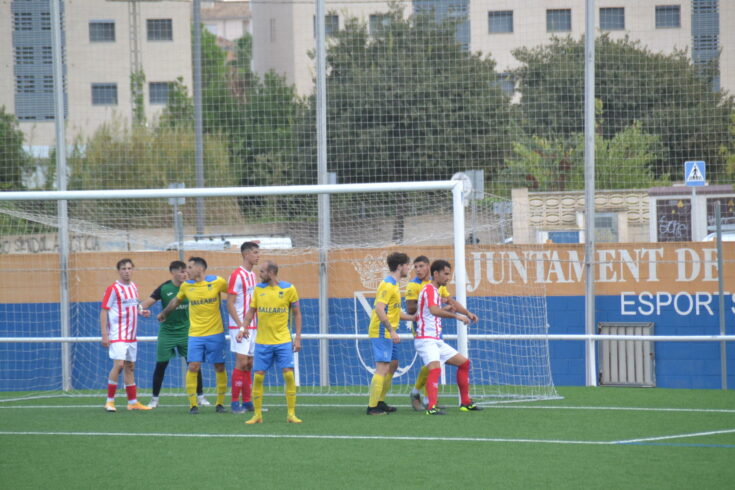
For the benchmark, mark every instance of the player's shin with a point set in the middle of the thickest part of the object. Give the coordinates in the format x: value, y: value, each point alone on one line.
x: 290, y: 381
x: 191, y: 388
x: 376, y: 389
x: 258, y: 393
x: 432, y: 386
x: 237, y: 380
x: 421, y: 379
x: 221, y: 380
x: 387, y: 381
x: 463, y: 382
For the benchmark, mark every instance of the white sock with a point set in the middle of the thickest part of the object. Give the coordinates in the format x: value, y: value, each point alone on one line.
x: 154, y: 398
x: 414, y: 391
x: 110, y: 400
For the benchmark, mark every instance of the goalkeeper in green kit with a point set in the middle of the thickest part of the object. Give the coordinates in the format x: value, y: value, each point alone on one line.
x: 173, y: 335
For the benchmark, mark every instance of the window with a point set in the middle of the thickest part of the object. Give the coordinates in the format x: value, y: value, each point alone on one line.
x: 559, y: 20
x: 378, y: 23
x: 331, y: 25
x: 456, y: 11
x: 158, y: 92
x: 668, y: 16
x: 612, y: 19
x: 500, y: 21
x: 25, y: 84
x: 23, y: 21
x: 104, y: 94
x: 102, y: 31
x: 45, y: 21
x: 160, y: 29
x: 506, y: 83
x: 24, y: 55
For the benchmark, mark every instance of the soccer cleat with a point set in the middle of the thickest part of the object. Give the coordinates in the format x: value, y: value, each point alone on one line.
x: 470, y: 407
x: 153, y: 404
x: 247, y: 407
x: 110, y: 407
x: 376, y: 411
x: 416, y: 402
x: 220, y: 409
x: 256, y: 419
x: 434, y: 411
x: 137, y: 406
x: 235, y: 407
x: 293, y: 419
x: 203, y: 401
x: 194, y: 410
x: 386, y: 408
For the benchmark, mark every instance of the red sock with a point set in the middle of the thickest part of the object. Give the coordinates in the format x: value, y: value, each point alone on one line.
x: 432, y: 386
x: 463, y: 382
x: 130, y: 390
x: 236, y: 384
x: 247, y: 386
x: 111, y: 389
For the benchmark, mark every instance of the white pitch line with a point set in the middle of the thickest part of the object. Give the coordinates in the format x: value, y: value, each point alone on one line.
x: 307, y: 436
x: 676, y: 436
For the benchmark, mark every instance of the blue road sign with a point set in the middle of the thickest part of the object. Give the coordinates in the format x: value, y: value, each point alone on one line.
x: 694, y: 173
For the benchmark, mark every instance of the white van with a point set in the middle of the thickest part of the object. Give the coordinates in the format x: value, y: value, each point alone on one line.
x: 233, y: 243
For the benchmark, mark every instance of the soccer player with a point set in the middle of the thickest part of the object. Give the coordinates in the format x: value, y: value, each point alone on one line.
x: 119, y: 324
x: 430, y: 346
x: 413, y: 289
x: 239, y: 295
x: 206, y: 331
x: 173, y: 333
x: 383, y: 335
x: 274, y: 301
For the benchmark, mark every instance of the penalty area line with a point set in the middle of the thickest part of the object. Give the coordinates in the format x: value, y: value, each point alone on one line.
x: 643, y: 440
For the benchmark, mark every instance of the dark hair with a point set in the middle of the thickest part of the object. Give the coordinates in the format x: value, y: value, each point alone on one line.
x: 248, y: 246
x: 176, y: 264
x: 271, y: 267
x: 122, y: 262
x: 199, y: 261
x: 395, y: 259
x: 439, y: 265
x: 421, y: 258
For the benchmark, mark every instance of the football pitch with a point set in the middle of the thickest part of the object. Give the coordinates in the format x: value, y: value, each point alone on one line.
x: 593, y: 438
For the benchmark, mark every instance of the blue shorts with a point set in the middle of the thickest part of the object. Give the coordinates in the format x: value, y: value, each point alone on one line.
x: 210, y: 349
x: 265, y: 354
x: 384, y: 350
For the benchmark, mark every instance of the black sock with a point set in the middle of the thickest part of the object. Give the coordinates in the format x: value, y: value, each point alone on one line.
x: 200, y: 389
x: 158, y: 374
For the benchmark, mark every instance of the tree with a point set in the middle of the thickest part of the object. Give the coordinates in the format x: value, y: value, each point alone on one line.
x: 669, y: 96
x: 13, y: 159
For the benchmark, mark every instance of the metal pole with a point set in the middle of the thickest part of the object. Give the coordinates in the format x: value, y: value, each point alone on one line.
x: 323, y: 199
x: 589, y: 191
x: 64, y: 313
x: 692, y: 214
x: 460, y: 272
x: 721, y: 291
x: 196, y: 48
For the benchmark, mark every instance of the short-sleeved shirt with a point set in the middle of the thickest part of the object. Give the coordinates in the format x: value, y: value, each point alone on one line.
x: 273, y: 304
x: 390, y: 295
x: 178, y: 320
x: 415, y: 285
x: 121, y: 302
x: 204, y: 305
x: 428, y: 326
x: 242, y: 284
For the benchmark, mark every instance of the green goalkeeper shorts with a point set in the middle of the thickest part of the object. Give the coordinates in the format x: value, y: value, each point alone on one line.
x: 171, y: 344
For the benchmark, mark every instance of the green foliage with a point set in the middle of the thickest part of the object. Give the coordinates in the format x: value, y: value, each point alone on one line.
x: 179, y: 110
x: 220, y: 107
x: 667, y: 94
x: 13, y: 159
x: 557, y: 164
x: 137, y: 82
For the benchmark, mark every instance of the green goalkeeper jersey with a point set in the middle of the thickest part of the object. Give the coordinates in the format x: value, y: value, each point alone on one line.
x: 178, y: 320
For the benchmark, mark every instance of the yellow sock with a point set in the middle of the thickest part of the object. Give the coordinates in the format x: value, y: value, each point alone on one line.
x: 191, y: 388
x: 290, y: 380
x: 258, y: 394
x: 376, y: 388
x: 422, y: 377
x: 387, y: 380
x: 221, y: 379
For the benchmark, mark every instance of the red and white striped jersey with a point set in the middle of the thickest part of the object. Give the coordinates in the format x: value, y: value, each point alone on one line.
x: 242, y: 283
x: 121, y: 302
x: 428, y: 326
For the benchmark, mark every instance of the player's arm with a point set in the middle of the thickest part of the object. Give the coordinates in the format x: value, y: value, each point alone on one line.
x: 297, y: 326
x: 103, y: 328
x: 171, y: 306
x: 437, y: 310
x: 412, y: 306
x: 243, y: 333
x: 457, y: 306
x: 231, y: 297
x: 147, y: 303
x: 407, y: 316
x: 383, y: 317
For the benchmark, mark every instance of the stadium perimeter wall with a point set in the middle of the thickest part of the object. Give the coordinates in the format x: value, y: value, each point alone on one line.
x: 673, y: 285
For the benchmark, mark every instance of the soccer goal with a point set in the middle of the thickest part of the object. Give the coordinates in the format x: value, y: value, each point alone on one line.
x: 50, y: 300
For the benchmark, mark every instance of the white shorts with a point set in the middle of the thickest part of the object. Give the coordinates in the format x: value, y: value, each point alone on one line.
x: 246, y: 346
x: 123, y: 351
x: 432, y: 350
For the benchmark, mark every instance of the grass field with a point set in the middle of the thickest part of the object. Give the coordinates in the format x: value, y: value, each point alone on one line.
x: 593, y: 438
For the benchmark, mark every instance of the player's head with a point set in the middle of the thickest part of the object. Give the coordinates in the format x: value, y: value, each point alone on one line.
x: 125, y: 269
x: 196, y: 267
x: 421, y: 267
x: 398, y: 261
x: 268, y: 271
x: 250, y: 252
x: 178, y: 272
x: 441, y: 272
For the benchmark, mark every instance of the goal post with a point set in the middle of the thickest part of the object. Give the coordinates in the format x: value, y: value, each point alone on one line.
x: 368, y: 223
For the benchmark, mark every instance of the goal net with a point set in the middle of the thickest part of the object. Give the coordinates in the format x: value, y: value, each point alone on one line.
x: 336, y: 357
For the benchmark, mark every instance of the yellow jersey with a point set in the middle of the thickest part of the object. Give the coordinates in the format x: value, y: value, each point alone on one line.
x: 204, y: 305
x: 415, y: 285
x: 273, y: 304
x: 388, y: 294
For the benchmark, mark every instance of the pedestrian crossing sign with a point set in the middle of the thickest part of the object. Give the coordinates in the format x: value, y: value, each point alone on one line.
x: 694, y: 173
